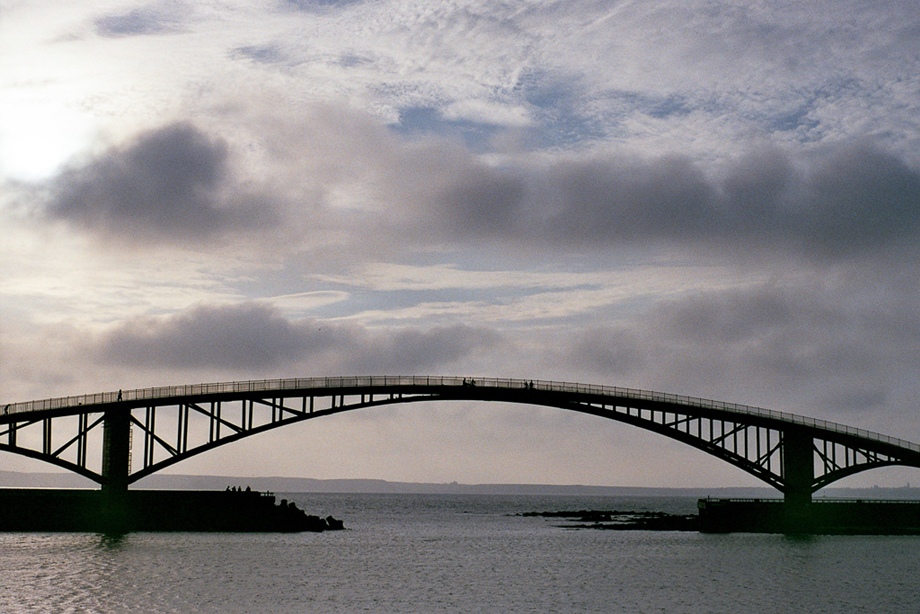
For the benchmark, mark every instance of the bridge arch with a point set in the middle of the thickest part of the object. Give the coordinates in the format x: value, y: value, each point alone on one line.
x: 795, y: 454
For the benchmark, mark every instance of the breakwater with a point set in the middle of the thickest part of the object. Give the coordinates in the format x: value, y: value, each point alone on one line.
x: 821, y: 516
x: 62, y: 510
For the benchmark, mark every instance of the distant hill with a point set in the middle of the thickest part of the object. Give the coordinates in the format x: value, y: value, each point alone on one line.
x: 13, y: 479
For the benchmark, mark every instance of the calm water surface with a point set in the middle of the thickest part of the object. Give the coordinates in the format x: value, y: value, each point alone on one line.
x: 432, y: 553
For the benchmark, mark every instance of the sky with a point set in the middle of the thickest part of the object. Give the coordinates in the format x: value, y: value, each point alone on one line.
x: 712, y: 198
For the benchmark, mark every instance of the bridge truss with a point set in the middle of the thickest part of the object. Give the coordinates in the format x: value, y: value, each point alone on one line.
x: 117, y: 438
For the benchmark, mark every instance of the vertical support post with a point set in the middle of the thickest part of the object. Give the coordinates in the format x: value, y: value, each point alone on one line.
x: 150, y: 426
x: 798, y: 475
x: 82, y: 421
x: 46, y: 436
x: 180, y: 425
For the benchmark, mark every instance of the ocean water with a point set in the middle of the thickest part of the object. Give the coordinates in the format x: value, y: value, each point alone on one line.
x: 459, y: 553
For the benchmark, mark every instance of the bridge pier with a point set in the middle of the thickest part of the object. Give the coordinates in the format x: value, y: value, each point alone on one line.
x: 798, y: 475
x: 116, y: 450
x: 116, y: 460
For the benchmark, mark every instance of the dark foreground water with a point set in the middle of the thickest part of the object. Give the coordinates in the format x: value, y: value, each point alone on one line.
x: 431, y: 553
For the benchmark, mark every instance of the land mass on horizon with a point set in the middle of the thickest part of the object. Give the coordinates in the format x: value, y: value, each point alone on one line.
x: 280, y: 484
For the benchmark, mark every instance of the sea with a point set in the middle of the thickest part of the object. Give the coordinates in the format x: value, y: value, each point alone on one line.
x: 460, y: 553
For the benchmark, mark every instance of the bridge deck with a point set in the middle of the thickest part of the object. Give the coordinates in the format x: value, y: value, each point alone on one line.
x: 87, y: 401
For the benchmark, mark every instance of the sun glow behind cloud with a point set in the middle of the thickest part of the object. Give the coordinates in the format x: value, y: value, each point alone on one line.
x: 39, y: 135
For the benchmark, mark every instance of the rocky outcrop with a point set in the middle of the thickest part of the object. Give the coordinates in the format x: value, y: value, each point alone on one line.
x: 620, y: 520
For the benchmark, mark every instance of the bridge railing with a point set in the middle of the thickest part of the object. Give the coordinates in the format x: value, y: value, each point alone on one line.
x: 418, y: 381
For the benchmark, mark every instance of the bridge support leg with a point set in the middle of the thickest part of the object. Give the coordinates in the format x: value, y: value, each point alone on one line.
x: 799, y: 475
x: 116, y: 457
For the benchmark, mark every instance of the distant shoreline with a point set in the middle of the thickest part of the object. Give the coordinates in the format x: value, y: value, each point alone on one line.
x: 15, y: 479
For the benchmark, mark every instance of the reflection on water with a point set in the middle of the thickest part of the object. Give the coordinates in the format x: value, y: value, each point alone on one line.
x: 112, y: 541
x: 457, y: 553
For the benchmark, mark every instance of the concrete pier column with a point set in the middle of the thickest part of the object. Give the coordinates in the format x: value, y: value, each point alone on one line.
x: 798, y: 475
x: 116, y: 459
x: 116, y: 450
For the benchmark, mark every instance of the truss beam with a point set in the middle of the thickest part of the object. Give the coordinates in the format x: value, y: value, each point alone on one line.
x: 797, y: 455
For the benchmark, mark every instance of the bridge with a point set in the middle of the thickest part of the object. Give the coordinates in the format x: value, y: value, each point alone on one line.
x: 93, y: 435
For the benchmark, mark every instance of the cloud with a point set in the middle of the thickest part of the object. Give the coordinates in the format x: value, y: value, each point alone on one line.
x: 861, y: 199
x: 263, y: 54
x: 339, y: 171
x: 857, y: 200
x: 235, y: 336
x: 170, y: 183
x: 851, y: 201
x: 164, y: 17
x: 820, y: 350
x: 482, y: 203
x: 614, y: 351
x: 317, y: 5
x: 252, y: 337
x: 608, y: 201
x: 419, y: 350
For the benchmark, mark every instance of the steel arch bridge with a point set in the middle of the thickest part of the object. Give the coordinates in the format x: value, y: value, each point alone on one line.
x: 93, y: 435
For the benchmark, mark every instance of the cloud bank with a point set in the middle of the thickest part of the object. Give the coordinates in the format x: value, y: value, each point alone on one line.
x: 250, y: 337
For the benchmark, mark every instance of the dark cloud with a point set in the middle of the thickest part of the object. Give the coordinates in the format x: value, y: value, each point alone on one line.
x: 758, y: 193
x: 419, y: 351
x: 234, y: 337
x: 859, y: 199
x: 483, y: 203
x: 318, y: 5
x: 263, y: 54
x: 731, y: 317
x: 850, y: 202
x: 614, y: 351
x: 826, y: 351
x: 169, y: 183
x: 789, y: 333
x: 600, y: 202
x: 255, y: 337
x: 158, y: 18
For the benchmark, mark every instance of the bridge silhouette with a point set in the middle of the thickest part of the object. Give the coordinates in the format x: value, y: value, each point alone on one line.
x: 93, y: 435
